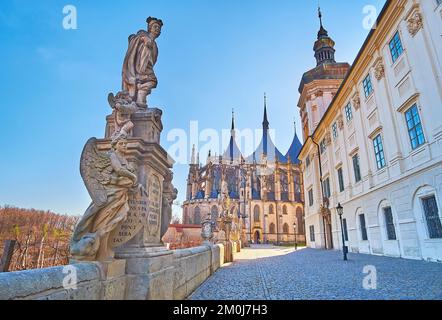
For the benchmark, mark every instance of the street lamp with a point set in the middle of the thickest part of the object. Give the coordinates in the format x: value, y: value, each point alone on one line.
x: 296, y: 240
x: 340, y: 211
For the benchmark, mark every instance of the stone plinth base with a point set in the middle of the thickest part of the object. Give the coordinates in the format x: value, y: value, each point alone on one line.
x: 149, y: 272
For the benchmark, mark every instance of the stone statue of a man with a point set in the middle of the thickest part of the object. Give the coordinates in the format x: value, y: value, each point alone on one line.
x: 138, y: 75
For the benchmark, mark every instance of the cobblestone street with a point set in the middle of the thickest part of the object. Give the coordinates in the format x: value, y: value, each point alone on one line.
x: 275, y: 273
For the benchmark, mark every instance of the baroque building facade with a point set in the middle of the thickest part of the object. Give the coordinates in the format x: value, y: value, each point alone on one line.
x: 265, y: 190
x: 373, y: 138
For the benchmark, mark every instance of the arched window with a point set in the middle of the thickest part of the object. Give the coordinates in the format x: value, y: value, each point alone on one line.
x: 285, y: 228
x: 300, y: 221
x: 256, y: 214
x: 197, y: 216
x: 214, y: 214
x: 272, y: 228
x: 284, y: 210
x: 271, y: 209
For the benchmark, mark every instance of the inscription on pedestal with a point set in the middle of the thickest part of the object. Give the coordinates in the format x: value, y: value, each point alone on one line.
x: 154, y: 215
x: 137, y: 218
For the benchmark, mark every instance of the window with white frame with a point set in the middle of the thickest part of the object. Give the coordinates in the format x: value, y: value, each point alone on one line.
x: 389, y: 223
x: 368, y: 87
x: 363, y: 227
x: 396, y: 48
x: 414, y: 126
x: 326, y: 185
x: 379, y: 152
x: 310, y: 197
x: 356, y: 168
x: 322, y: 146
x: 335, y: 130
x: 348, y: 112
x: 341, y: 180
x: 432, y: 217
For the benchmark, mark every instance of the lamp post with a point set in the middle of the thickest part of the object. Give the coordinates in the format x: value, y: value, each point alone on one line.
x: 340, y: 211
x: 296, y: 238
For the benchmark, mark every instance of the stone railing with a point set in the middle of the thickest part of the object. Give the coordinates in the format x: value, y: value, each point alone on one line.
x: 94, y: 281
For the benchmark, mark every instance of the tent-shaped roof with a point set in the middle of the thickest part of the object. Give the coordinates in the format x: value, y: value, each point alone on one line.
x: 294, y: 150
x: 266, y: 147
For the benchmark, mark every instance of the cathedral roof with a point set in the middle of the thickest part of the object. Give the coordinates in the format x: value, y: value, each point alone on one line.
x: 232, y: 152
x: 266, y: 148
x: 294, y: 149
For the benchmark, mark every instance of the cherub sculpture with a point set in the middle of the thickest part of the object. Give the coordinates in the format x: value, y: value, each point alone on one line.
x: 123, y: 107
x: 108, y: 177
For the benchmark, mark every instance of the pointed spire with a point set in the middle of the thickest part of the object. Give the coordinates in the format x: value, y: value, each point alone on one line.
x: 233, y: 119
x: 324, y: 46
x: 265, y: 123
x: 232, y: 131
x: 192, y: 160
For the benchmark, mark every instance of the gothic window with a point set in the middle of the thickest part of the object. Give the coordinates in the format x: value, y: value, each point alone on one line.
x: 272, y: 228
x: 232, y: 182
x: 285, y: 228
x: 214, y: 214
x: 271, y: 209
x: 257, y: 214
x: 197, y: 216
x: 284, y: 210
x: 297, y: 184
x: 300, y: 221
x: 284, y: 186
x: 270, y: 187
x: 216, y: 186
x: 256, y: 186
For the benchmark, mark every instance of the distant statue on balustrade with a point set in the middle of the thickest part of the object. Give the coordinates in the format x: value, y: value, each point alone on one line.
x: 108, y: 177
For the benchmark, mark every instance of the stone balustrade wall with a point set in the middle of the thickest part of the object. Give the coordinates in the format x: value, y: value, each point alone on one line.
x: 191, y: 267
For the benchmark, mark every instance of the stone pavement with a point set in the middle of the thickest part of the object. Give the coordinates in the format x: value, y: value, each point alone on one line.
x: 277, y: 273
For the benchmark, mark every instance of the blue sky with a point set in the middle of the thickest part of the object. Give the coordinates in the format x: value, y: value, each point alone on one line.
x: 214, y: 56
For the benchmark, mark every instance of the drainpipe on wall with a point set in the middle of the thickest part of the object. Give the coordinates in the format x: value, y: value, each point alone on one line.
x: 322, y: 188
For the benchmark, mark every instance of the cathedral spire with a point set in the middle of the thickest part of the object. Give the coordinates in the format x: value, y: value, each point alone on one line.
x: 265, y: 123
x: 232, y: 131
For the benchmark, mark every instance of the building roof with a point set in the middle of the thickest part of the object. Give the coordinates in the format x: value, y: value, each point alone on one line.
x: 267, y: 147
x: 294, y: 150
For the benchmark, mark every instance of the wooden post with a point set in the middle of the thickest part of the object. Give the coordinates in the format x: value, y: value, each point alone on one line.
x: 7, y: 255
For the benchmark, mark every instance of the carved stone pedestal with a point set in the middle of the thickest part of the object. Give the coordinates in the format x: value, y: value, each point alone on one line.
x: 149, y: 273
x: 137, y: 240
